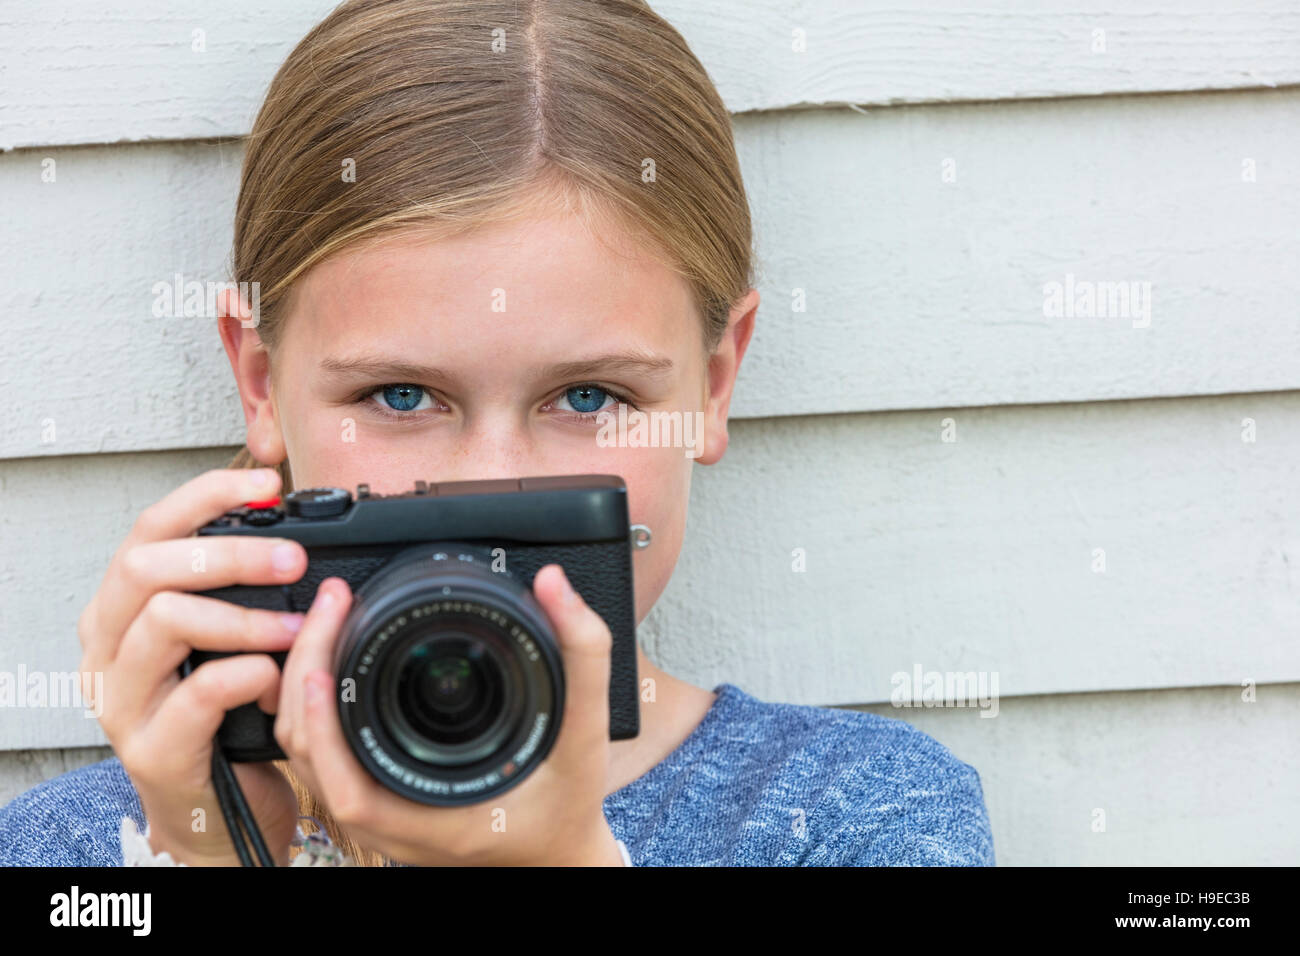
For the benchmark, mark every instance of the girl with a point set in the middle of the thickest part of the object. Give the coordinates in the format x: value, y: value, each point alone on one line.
x: 477, y: 228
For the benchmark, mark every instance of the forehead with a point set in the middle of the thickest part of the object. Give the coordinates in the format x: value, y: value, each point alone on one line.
x: 523, y: 283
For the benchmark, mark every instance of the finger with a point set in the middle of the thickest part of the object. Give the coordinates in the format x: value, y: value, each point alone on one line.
x: 176, y: 743
x: 313, y: 649
x: 346, y: 787
x: 171, y: 625
x: 373, y: 803
x: 585, y: 648
x: 269, y: 699
x: 176, y: 515
x: 187, y: 564
x: 201, y: 499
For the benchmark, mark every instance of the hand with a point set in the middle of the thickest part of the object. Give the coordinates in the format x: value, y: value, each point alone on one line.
x: 554, y: 817
x: 138, y: 629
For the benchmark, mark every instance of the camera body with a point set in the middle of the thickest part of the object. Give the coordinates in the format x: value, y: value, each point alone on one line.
x: 451, y: 686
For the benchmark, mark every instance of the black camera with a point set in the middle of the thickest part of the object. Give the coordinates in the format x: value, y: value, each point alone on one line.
x: 451, y: 685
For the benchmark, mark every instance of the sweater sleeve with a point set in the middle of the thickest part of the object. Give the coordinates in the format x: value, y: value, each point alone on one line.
x: 940, y: 820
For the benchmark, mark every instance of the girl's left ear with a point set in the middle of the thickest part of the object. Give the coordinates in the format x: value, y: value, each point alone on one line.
x: 724, y: 364
x: 251, y: 365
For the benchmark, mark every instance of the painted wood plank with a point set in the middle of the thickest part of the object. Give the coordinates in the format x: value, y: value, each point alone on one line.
x: 133, y: 70
x: 1104, y: 546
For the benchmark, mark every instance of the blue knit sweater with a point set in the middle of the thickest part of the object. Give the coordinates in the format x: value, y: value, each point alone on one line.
x: 755, y: 784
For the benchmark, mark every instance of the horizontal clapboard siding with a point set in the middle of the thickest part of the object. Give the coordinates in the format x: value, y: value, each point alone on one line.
x: 1191, y: 777
x: 103, y: 73
x: 58, y: 532
x: 970, y: 555
x: 978, y: 554
x: 917, y: 293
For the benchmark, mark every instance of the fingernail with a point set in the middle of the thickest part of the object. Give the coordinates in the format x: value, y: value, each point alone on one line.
x: 261, y: 477
x: 284, y: 557
x: 292, y: 622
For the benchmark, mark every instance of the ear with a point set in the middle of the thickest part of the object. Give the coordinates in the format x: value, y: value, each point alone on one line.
x: 720, y: 379
x: 251, y: 364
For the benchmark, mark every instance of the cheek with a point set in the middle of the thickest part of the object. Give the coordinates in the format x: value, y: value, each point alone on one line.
x: 327, y: 447
x: 659, y: 484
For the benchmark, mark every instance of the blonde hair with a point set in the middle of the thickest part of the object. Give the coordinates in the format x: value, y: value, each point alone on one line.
x: 456, y: 113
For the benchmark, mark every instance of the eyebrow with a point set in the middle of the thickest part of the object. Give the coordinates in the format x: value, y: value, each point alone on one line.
x: 378, y: 366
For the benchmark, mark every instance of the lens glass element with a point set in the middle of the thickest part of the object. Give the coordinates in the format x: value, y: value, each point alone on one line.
x: 451, y: 691
x: 451, y: 688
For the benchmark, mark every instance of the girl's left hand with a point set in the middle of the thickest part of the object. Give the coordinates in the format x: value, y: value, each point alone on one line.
x: 554, y: 817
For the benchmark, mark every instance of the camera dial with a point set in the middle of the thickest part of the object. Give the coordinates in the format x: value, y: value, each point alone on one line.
x: 317, y: 502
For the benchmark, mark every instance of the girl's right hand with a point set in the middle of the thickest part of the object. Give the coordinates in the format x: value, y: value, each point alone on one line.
x: 138, y: 629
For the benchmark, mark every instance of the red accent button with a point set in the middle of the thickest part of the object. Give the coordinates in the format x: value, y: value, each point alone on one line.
x: 268, y: 503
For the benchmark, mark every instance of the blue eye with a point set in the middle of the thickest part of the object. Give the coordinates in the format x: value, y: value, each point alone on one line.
x: 586, y: 399
x: 400, y: 400
x: 402, y: 397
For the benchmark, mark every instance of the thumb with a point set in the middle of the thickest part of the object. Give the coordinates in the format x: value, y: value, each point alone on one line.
x: 585, y: 647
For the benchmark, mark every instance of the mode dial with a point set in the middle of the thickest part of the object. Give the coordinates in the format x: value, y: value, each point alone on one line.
x: 317, y: 502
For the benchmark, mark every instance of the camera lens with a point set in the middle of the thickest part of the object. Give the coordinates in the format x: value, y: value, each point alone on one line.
x: 456, y: 676
x: 447, y: 688
x: 452, y: 698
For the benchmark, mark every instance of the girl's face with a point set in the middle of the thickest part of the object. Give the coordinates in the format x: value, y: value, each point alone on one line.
x: 489, y: 355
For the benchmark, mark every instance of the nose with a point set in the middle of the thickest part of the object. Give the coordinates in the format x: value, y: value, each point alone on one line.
x: 489, y: 446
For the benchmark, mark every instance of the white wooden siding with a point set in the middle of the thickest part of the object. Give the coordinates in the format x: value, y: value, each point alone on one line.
x: 81, y: 72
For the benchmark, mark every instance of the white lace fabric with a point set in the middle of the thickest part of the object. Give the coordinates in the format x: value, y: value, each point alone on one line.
x: 136, y: 850
x: 317, y: 850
